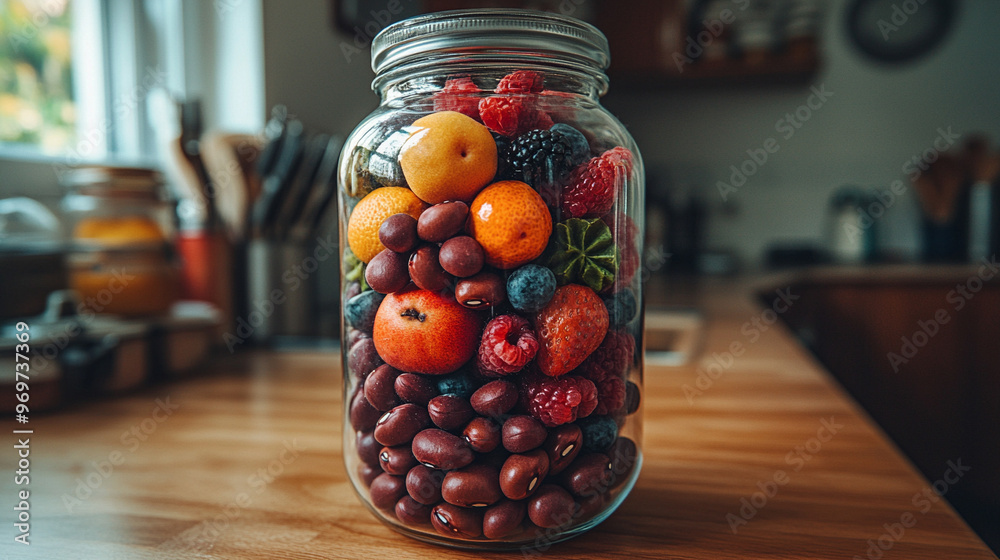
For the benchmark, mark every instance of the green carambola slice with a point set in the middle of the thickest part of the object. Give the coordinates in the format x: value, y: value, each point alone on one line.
x: 583, y: 252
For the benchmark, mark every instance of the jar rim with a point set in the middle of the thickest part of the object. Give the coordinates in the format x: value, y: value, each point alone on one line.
x: 489, y: 28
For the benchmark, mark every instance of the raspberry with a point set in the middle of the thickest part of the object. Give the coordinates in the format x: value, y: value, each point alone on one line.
x: 459, y: 94
x: 508, y: 345
x: 521, y: 81
x: 611, y: 358
x: 560, y: 400
x: 511, y: 115
x: 593, y: 187
x: 610, y: 395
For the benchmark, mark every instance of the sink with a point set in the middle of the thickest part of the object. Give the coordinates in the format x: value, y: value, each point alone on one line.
x: 672, y: 335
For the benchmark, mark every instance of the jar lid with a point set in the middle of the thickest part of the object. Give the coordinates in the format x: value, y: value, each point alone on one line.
x: 488, y: 29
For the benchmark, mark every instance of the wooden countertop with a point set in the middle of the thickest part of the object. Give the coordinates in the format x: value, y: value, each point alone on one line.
x: 245, y: 463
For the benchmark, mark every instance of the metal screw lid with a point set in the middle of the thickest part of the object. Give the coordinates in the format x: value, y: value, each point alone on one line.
x: 506, y: 30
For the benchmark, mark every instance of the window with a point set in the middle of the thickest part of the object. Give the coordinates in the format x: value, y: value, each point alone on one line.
x: 74, y: 75
x: 37, y: 102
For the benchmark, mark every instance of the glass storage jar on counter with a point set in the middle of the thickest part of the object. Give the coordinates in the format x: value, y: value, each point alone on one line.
x: 491, y: 223
x: 121, y: 225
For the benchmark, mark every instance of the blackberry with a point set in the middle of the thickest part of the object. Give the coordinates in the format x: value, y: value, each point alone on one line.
x: 503, y: 155
x: 541, y: 157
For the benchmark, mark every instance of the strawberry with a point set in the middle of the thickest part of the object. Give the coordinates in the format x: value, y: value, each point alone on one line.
x: 592, y: 187
x: 460, y: 95
x: 570, y: 327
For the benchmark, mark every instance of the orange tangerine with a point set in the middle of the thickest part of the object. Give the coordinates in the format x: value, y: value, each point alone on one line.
x: 368, y: 215
x: 511, y: 222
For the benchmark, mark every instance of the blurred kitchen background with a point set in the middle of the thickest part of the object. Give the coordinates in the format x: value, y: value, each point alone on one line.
x: 168, y: 175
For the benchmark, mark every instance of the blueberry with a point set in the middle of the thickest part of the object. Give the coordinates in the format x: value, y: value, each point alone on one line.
x: 359, y: 311
x: 579, y: 148
x: 530, y: 287
x: 461, y: 383
x: 622, y: 308
x: 599, y: 433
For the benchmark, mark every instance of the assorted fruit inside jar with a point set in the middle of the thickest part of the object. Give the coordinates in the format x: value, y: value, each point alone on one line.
x: 492, y: 310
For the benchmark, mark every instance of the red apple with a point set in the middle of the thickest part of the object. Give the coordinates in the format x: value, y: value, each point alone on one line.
x: 420, y: 331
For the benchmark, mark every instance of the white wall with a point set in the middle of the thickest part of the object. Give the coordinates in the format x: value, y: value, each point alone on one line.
x: 878, y: 118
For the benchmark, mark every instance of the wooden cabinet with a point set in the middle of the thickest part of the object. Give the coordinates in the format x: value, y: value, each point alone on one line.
x: 922, y: 359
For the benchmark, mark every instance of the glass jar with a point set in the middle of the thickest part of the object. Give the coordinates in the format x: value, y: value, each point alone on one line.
x: 120, y: 225
x: 491, y: 225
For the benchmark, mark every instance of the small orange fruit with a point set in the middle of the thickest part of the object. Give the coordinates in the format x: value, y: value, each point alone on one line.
x: 511, y: 222
x: 448, y: 156
x: 368, y: 215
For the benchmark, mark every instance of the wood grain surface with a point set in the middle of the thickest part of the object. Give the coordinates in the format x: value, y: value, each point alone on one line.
x: 247, y: 465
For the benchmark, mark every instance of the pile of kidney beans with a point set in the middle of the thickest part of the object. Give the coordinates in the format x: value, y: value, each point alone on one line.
x: 471, y: 466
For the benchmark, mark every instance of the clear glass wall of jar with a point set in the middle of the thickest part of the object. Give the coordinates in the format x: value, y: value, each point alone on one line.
x: 491, y: 223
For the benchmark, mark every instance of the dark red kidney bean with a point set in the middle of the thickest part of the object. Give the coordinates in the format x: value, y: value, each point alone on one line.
x: 363, y: 415
x: 523, y: 433
x: 449, y: 411
x: 414, y: 388
x: 503, y: 519
x: 380, y: 388
x: 367, y: 473
x: 483, y: 434
x: 388, y: 272
x: 590, y: 474
x: 399, y: 425
x: 623, y: 455
x: 522, y: 474
x: 461, y: 256
x: 483, y: 290
x: 551, y: 507
x: 368, y: 448
x: 591, y: 505
x: 396, y: 460
x: 426, y: 271
x: 632, y: 397
x: 472, y: 486
x: 398, y: 232
x: 563, y: 444
x: 386, y: 490
x: 353, y: 334
x: 495, y: 398
x: 412, y: 512
x: 423, y: 484
x: 495, y: 458
x: 439, y: 449
x: 451, y: 520
x: 441, y: 221
x: 362, y: 357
